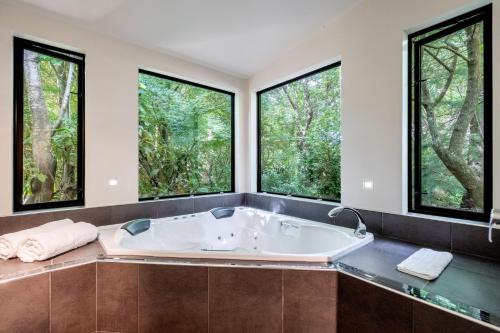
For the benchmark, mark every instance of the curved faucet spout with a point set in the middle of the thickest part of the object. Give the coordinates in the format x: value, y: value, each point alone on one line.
x: 360, y: 230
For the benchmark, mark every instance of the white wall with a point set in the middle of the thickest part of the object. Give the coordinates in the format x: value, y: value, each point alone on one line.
x: 369, y: 40
x: 110, y: 103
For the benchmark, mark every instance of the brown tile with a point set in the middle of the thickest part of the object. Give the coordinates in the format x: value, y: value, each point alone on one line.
x: 124, y: 213
x: 471, y: 239
x: 117, y: 292
x: 233, y: 199
x: 174, y: 206
x: 206, y: 202
x: 12, y: 267
x: 73, y: 299
x: 98, y: 216
x: 365, y: 308
x: 428, y: 319
x: 310, y: 301
x: 89, y: 251
x: 24, y: 305
x: 173, y: 298
x: 245, y: 300
x: 23, y: 221
x: 422, y: 231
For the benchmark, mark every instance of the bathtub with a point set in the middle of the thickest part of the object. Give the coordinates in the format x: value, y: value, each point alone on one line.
x: 249, y: 234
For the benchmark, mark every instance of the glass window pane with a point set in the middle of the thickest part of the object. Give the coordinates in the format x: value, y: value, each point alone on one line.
x: 451, y: 117
x: 185, y: 138
x: 300, y: 137
x: 50, y: 130
x: 452, y: 143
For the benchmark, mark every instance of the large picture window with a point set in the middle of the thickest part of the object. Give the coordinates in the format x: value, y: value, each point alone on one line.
x: 48, y: 126
x: 186, y: 138
x: 299, y: 137
x: 450, y: 99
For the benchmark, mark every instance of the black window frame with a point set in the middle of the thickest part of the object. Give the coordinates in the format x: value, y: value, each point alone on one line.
x: 482, y: 14
x: 259, y: 131
x: 21, y: 44
x: 199, y: 85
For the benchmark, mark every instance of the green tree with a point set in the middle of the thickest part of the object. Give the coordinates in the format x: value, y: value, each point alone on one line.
x: 300, y: 136
x: 452, y: 120
x: 50, y: 129
x: 184, y: 138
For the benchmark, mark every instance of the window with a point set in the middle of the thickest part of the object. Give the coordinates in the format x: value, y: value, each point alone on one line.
x: 299, y: 136
x: 450, y: 126
x: 48, y: 126
x: 186, y: 138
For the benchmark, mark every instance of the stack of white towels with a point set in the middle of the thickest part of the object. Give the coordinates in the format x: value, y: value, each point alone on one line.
x: 47, y: 240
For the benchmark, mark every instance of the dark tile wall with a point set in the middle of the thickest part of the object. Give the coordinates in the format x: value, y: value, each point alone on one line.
x: 312, y: 210
x: 460, y: 238
x: 456, y: 237
x: 245, y: 300
x: 310, y: 304
x: 117, y: 297
x: 470, y: 239
x: 24, y: 305
x: 137, y: 298
x: 100, y: 216
x: 436, y: 234
x: 173, y: 298
x: 428, y: 319
x: 73, y: 299
x: 131, y: 298
x: 365, y: 308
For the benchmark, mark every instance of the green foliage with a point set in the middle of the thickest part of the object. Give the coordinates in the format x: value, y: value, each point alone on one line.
x: 184, y: 138
x: 63, y: 145
x: 300, y: 137
x: 445, y: 65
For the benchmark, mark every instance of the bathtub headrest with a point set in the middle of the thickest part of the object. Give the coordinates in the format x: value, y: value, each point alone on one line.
x: 222, y: 212
x: 135, y: 227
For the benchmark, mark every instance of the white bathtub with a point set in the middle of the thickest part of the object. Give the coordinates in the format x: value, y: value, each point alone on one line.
x: 250, y: 234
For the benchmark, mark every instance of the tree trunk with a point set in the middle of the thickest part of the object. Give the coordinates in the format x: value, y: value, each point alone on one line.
x: 453, y: 155
x: 41, y: 191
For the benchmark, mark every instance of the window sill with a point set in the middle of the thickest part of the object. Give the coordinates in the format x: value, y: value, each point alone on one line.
x: 291, y: 197
x: 446, y: 219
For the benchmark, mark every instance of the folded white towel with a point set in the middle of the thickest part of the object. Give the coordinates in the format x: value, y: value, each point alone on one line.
x: 48, y: 244
x: 426, y: 263
x: 9, y: 243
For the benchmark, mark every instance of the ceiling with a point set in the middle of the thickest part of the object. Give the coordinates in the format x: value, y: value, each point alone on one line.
x: 239, y: 37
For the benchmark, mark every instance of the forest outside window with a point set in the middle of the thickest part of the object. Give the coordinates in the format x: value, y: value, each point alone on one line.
x: 450, y: 166
x: 48, y: 126
x: 186, y: 138
x: 299, y: 136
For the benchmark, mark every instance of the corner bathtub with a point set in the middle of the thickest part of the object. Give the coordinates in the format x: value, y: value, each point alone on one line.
x: 250, y: 234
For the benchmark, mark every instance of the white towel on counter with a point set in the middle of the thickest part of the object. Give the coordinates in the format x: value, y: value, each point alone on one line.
x: 9, y: 243
x: 38, y: 247
x: 426, y: 263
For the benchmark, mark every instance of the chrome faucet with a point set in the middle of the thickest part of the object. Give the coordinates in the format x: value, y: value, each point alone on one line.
x: 360, y: 231
x: 494, y: 217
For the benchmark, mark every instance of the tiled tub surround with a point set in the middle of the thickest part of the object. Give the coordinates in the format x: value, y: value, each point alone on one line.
x: 456, y: 237
x: 127, y: 297
x: 469, y: 285
x: 131, y: 297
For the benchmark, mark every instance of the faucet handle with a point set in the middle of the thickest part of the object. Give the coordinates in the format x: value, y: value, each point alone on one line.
x: 494, y: 216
